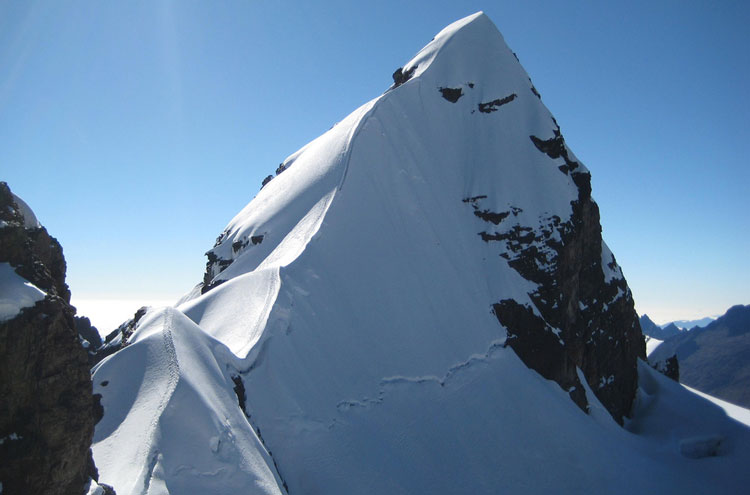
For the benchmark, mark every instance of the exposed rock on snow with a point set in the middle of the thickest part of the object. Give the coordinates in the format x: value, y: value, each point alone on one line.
x: 492, y: 106
x: 451, y: 94
x: 669, y: 367
x: 400, y: 76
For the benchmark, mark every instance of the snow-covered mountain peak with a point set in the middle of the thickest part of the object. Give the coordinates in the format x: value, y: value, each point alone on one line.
x: 459, y: 166
x: 466, y: 75
x: 419, y: 301
x: 469, y: 50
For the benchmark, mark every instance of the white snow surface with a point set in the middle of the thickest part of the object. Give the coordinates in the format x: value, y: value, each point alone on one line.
x: 171, y: 422
x: 738, y: 413
x: 361, y: 325
x: 16, y: 293
x: 652, y: 344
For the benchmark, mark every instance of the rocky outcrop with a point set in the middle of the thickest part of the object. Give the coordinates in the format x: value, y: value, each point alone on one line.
x: 670, y: 367
x: 47, y: 413
x: 451, y: 94
x: 400, y: 76
x: 492, y: 106
x: 35, y: 255
x: 583, y: 315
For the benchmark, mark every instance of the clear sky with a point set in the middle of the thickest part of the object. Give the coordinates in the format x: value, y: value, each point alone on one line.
x: 136, y: 130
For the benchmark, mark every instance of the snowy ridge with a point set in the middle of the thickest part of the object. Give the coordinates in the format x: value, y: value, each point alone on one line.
x: 176, y: 426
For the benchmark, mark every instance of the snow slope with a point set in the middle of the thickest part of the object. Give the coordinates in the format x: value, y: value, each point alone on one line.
x: 352, y: 297
x: 172, y: 423
x: 652, y: 344
x: 735, y: 412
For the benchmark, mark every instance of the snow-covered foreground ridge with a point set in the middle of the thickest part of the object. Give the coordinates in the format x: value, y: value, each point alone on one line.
x: 344, y: 339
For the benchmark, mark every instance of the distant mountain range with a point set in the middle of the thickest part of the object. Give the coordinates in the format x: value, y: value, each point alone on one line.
x: 651, y: 329
x: 690, y: 324
x: 666, y: 330
x: 714, y: 359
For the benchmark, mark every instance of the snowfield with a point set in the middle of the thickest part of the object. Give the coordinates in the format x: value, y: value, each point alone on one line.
x: 349, y: 316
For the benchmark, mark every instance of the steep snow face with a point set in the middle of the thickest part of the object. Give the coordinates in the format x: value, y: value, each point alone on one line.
x: 350, y: 307
x: 651, y: 345
x: 405, y: 223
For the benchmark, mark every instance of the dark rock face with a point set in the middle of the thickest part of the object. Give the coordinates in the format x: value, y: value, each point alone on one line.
x: 89, y: 337
x: 583, y: 320
x: 35, y: 255
x: 87, y: 331
x: 47, y: 412
x: 714, y: 359
x: 47, y: 403
x: 669, y: 367
x: 214, y: 266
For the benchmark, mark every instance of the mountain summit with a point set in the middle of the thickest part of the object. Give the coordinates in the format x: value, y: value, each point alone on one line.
x: 447, y: 210
x: 419, y: 302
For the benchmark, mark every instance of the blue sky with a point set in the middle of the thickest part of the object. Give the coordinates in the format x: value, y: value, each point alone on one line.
x: 137, y: 130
